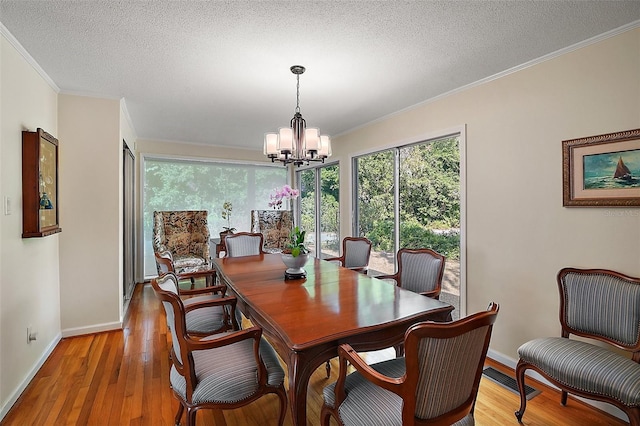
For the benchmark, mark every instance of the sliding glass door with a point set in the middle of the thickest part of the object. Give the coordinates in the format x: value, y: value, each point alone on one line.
x: 409, y: 197
x: 375, y: 207
x: 320, y: 209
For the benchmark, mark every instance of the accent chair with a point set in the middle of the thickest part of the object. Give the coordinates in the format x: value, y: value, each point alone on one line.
x: 597, y: 305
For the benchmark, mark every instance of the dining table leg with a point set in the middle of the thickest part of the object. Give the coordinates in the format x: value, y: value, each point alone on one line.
x: 299, y: 374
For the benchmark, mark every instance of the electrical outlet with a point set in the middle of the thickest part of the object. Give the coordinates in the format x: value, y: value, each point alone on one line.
x: 29, y: 334
x: 7, y: 206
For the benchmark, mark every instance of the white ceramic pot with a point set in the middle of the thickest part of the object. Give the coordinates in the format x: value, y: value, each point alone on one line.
x: 295, y: 264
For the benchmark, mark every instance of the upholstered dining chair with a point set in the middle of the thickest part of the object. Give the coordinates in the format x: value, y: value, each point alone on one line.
x: 207, y: 310
x: 183, y: 233
x: 221, y: 371
x: 602, y: 307
x: 244, y: 244
x: 420, y: 271
x: 356, y: 252
x: 435, y: 383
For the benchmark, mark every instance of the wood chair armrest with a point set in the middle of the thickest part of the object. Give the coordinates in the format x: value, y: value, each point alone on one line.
x: 348, y: 355
x: 333, y: 259
x: 219, y: 340
x: 434, y: 294
x: 222, y: 289
x: 223, y: 301
x: 388, y: 277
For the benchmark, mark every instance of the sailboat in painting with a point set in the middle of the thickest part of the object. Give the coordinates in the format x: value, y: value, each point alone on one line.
x: 622, y: 171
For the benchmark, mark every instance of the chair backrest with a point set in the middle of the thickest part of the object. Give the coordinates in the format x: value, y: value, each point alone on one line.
x: 444, y: 365
x: 420, y: 270
x: 164, y: 262
x: 356, y: 252
x: 183, y: 233
x: 166, y: 288
x: 600, y: 304
x: 243, y: 244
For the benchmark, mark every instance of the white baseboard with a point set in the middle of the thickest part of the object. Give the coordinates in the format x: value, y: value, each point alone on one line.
x: 98, y: 328
x: 603, y: 406
x: 32, y: 373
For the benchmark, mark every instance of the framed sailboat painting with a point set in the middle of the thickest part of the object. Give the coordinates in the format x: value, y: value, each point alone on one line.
x: 602, y: 170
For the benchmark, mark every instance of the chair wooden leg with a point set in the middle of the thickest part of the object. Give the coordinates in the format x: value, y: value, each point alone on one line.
x: 282, y: 395
x: 180, y: 411
x: 325, y: 416
x: 191, y: 416
x: 563, y: 398
x: 520, y: 370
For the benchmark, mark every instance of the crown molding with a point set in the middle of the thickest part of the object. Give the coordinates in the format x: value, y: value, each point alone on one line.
x: 27, y: 57
x: 596, y: 39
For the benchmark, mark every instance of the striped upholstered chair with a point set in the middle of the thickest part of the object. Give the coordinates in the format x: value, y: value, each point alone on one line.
x: 435, y: 383
x: 420, y: 271
x: 206, y: 310
x: 356, y: 252
x: 600, y: 305
x: 244, y: 244
x: 221, y: 371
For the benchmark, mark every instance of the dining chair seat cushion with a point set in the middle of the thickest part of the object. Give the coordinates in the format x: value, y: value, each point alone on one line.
x: 180, y: 262
x: 369, y: 404
x: 229, y: 374
x: 586, y: 367
x: 204, y: 320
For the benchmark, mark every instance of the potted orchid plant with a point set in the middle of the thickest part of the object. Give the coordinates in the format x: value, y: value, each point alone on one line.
x: 227, y: 209
x: 282, y: 195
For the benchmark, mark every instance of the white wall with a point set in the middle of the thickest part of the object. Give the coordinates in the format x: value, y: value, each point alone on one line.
x: 518, y: 234
x: 91, y: 216
x: 29, y: 274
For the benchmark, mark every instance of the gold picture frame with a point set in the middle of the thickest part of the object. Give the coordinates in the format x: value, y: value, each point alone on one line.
x: 602, y: 170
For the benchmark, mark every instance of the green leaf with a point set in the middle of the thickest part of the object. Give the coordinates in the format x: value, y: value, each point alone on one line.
x: 295, y: 252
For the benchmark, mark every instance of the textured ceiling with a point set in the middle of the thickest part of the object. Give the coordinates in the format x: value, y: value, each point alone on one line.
x: 217, y: 72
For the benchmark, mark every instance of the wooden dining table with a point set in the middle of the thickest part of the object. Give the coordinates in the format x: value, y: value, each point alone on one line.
x: 306, y: 319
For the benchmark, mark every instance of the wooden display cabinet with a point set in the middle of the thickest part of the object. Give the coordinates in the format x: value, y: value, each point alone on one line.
x: 40, y: 207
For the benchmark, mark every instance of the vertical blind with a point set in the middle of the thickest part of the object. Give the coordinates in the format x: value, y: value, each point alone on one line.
x: 171, y: 184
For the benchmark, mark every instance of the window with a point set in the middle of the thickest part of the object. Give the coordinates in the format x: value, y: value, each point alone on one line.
x: 409, y: 197
x: 320, y: 209
x: 171, y: 184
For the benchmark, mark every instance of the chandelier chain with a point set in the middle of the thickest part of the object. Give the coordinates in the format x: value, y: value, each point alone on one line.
x: 297, y: 93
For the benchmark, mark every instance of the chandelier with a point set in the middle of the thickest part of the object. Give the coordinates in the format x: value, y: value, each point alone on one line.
x: 297, y: 144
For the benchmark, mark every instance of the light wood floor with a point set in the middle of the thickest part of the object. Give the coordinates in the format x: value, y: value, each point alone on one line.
x: 121, y: 378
